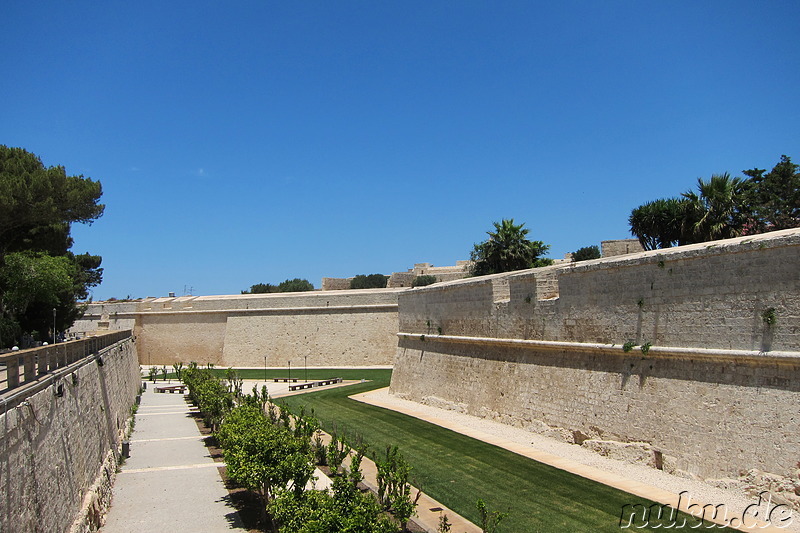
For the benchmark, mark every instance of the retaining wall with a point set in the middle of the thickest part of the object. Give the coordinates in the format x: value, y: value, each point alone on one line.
x: 320, y: 328
x: 717, y: 393
x: 58, y: 454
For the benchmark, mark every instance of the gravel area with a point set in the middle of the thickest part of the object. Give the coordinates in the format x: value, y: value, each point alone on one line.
x: 734, y: 498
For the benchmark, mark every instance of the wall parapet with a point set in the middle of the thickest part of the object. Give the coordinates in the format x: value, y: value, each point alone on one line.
x: 33, y: 363
x: 61, y: 438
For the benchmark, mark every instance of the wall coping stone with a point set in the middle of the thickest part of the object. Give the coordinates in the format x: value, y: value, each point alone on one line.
x: 750, y: 356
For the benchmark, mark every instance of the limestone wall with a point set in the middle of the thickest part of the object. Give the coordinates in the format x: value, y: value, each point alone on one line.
x: 718, y: 392
x: 322, y: 328
x: 620, y: 247
x: 57, y: 454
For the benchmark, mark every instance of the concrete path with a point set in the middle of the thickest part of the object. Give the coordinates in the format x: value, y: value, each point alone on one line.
x: 169, y: 483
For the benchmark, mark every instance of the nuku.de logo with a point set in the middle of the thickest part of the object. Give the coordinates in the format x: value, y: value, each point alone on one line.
x: 694, y: 515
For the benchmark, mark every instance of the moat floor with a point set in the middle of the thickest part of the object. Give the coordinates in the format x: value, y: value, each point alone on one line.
x: 169, y: 483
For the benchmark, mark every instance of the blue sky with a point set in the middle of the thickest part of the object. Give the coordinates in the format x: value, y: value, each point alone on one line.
x: 247, y: 142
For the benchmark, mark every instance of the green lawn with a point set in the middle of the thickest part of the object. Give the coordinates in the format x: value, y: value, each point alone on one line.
x: 457, y: 470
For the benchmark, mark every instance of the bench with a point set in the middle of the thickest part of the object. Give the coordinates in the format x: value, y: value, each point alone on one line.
x: 172, y: 388
x: 301, y: 386
x: 285, y: 380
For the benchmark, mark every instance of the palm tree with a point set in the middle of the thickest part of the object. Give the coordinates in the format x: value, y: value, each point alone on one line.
x: 719, y: 210
x: 660, y: 223
x: 507, y: 249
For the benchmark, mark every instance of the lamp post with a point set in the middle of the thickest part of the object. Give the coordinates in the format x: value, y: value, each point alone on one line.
x: 305, y: 359
x: 265, y: 369
x: 54, y: 325
x: 290, y: 370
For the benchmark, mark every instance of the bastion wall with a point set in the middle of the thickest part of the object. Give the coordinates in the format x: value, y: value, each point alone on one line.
x: 710, y: 388
x: 319, y: 328
x: 59, y: 454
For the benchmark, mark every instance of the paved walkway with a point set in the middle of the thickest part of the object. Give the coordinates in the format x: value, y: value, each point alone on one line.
x: 169, y: 483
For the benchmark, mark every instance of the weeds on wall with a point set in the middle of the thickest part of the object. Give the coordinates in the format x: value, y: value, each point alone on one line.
x: 628, y: 346
x: 646, y: 347
x: 769, y: 317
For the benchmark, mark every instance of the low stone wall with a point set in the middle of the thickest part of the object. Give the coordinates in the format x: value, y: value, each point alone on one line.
x: 320, y: 328
x: 58, y: 454
x: 715, y: 390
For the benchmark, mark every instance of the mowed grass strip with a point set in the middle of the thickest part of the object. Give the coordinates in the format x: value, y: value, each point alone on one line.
x: 457, y: 470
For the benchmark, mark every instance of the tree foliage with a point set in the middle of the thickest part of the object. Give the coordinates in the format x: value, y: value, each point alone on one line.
x: 371, y: 281
x: 722, y: 207
x: 775, y: 196
x: 661, y: 223
x: 295, y: 285
x: 290, y: 285
x: 507, y: 249
x: 423, y: 281
x: 586, y: 253
x: 38, y: 271
x: 718, y: 210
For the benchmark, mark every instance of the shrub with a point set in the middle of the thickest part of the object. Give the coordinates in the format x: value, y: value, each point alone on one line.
x: 422, y: 281
x: 372, y: 281
x: 585, y: 253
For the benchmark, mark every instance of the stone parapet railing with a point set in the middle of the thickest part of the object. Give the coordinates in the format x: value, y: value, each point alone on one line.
x: 25, y: 366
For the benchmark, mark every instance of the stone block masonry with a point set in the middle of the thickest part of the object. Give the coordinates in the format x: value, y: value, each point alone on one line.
x: 58, y: 453
x: 715, y: 391
x: 320, y: 328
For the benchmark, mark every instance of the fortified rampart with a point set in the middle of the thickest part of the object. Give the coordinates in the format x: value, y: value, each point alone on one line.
x: 711, y: 387
x: 60, y: 437
x: 320, y: 328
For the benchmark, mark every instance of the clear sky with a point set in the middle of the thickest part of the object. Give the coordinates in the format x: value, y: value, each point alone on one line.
x: 253, y: 141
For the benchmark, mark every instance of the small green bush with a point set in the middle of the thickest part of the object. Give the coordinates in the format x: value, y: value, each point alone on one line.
x: 422, y: 281
x: 372, y: 281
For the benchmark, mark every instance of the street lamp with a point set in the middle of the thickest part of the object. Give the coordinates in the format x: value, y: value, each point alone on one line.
x: 290, y: 370
x: 265, y: 369
x: 54, y: 325
x: 305, y: 358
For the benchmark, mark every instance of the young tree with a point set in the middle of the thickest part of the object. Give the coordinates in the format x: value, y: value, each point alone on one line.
x: 507, y: 249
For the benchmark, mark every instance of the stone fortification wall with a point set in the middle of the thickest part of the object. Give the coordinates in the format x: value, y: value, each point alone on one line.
x: 336, y: 284
x: 445, y: 273
x: 717, y: 393
x: 322, y: 328
x: 620, y: 247
x: 58, y: 454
